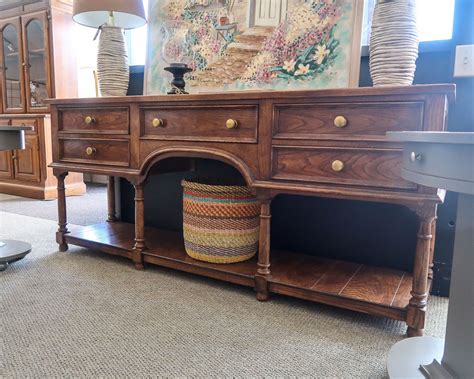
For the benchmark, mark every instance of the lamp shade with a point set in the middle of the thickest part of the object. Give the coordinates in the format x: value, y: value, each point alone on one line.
x: 128, y: 14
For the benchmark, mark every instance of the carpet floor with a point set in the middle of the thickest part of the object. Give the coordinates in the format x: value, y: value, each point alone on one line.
x: 86, y: 314
x: 87, y: 209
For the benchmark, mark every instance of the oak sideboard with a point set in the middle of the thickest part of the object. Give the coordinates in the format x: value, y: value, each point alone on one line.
x: 326, y: 143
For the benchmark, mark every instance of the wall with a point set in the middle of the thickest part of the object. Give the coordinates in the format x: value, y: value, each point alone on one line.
x: 379, y: 234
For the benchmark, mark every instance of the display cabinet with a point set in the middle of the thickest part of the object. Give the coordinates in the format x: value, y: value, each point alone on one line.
x: 13, y: 95
x: 36, y: 63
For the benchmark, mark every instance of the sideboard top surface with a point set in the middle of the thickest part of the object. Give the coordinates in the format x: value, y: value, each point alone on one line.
x: 446, y: 89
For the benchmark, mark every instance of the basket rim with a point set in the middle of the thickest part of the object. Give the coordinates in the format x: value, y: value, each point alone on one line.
x: 215, y: 182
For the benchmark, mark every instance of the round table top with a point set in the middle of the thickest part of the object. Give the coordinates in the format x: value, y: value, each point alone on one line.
x: 433, y: 137
x: 14, y: 128
x: 11, y: 250
x: 438, y: 159
x: 13, y: 137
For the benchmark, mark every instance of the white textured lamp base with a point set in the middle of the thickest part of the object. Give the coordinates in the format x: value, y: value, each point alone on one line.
x: 393, y: 43
x: 112, y: 62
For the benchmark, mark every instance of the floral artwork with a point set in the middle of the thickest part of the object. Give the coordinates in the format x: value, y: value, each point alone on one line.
x: 234, y: 45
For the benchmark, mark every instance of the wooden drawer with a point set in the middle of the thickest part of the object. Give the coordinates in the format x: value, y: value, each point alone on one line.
x: 361, y: 167
x: 27, y: 122
x: 94, y: 120
x: 96, y: 151
x: 354, y: 120
x: 202, y: 123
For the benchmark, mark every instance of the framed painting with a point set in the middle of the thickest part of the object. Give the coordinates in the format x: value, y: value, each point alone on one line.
x: 235, y: 45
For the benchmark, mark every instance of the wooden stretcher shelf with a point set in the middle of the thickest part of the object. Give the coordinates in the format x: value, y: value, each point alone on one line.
x: 351, y: 285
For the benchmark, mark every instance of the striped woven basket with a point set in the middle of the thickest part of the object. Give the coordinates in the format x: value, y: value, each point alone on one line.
x: 220, y: 221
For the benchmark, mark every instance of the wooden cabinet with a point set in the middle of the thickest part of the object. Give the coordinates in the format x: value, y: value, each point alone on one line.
x: 11, y: 58
x: 6, y: 167
x: 25, y: 70
x: 25, y: 172
x: 328, y: 143
x: 27, y: 162
x: 37, y: 70
x: 36, y: 63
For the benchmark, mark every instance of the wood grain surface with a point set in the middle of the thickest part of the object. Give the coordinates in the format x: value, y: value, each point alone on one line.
x: 107, y: 152
x: 365, y: 167
x: 313, y: 121
x: 106, y: 120
x: 340, y: 279
x: 203, y: 123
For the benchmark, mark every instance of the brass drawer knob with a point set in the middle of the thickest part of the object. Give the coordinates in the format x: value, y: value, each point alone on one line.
x: 89, y: 120
x: 231, y: 123
x: 414, y: 157
x: 340, y: 121
x: 90, y: 150
x: 157, y: 122
x: 337, y: 165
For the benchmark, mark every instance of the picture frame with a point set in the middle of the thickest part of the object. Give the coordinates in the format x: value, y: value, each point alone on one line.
x: 238, y: 45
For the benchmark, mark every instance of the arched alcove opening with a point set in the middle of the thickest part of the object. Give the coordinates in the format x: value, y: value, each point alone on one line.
x: 163, y: 192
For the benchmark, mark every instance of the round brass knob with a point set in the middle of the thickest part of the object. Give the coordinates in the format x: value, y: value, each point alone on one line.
x: 340, y: 121
x: 231, y: 124
x: 157, y: 122
x: 91, y: 150
x: 89, y: 120
x: 414, y: 157
x: 337, y: 165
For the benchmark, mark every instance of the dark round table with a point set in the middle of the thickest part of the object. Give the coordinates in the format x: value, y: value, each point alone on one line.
x: 12, y: 251
x: 12, y: 138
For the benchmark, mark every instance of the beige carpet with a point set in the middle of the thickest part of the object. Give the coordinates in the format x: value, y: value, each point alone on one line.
x: 90, y: 208
x: 84, y: 314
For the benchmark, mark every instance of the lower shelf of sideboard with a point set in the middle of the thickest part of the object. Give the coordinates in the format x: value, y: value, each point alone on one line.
x: 363, y: 288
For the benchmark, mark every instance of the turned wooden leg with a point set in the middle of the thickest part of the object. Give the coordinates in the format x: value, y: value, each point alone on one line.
x: 416, y: 310
x: 111, y: 199
x: 62, y: 216
x: 139, y: 246
x: 432, y: 247
x: 263, y: 265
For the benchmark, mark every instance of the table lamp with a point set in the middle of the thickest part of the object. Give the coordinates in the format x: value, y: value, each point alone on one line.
x: 111, y: 17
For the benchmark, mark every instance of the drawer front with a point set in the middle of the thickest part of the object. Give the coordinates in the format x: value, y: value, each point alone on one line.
x: 347, y: 121
x: 95, y: 151
x: 27, y: 122
x: 4, y: 122
x: 203, y: 123
x: 94, y: 120
x: 350, y: 166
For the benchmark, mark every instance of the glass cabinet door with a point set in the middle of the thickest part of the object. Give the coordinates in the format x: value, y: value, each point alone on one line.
x: 11, y: 67
x: 37, y: 81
